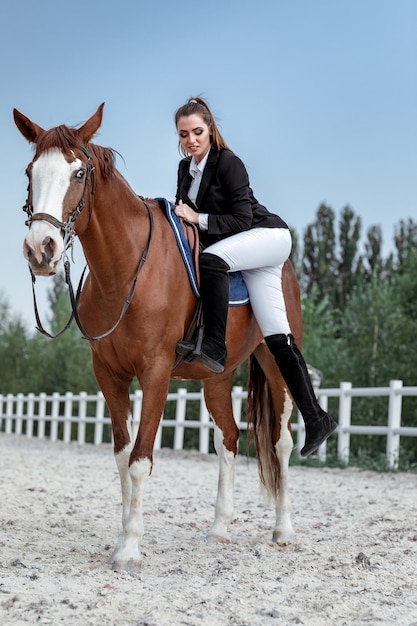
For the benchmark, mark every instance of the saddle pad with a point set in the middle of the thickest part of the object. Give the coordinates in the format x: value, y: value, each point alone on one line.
x: 238, y: 290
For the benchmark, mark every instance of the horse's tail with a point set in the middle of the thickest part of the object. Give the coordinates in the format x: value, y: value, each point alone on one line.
x: 261, y: 419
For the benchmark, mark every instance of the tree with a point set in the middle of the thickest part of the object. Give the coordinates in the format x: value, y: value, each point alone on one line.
x: 319, y: 261
x: 405, y: 239
x: 349, y: 235
x: 14, y: 356
x: 406, y: 287
x: 320, y: 343
x: 68, y: 357
x: 369, y: 330
x: 371, y: 263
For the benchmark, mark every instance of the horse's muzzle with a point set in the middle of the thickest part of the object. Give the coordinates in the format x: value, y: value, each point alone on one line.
x: 44, y: 259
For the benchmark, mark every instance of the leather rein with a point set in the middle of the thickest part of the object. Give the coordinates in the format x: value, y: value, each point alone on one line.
x: 68, y: 233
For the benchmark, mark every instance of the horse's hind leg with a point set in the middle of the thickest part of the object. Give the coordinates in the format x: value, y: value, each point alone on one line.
x: 217, y: 393
x: 280, y: 433
x: 283, y: 532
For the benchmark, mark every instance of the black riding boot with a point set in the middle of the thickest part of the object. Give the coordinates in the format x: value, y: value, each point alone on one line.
x: 214, y: 292
x: 319, y: 425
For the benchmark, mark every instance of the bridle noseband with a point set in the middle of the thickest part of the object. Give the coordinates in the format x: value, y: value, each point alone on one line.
x: 68, y: 233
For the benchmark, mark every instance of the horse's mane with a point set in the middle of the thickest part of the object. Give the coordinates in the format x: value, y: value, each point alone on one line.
x: 66, y: 139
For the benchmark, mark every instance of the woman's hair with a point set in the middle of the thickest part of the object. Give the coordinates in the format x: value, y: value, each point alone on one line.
x: 198, y: 106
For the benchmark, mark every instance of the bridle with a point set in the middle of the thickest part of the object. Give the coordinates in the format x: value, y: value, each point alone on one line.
x: 69, y: 234
x: 67, y: 228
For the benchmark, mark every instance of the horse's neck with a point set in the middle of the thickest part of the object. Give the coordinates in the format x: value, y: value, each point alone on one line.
x: 116, y: 236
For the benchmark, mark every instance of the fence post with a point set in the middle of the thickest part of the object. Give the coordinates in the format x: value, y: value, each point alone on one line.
x: 68, y: 416
x: 158, y: 439
x: 55, y: 416
x: 30, y: 415
x: 204, y: 439
x: 1, y: 411
x: 237, y: 404
x: 98, y: 427
x: 394, y: 421
x: 301, y: 430
x: 345, y: 407
x: 42, y: 415
x: 136, y: 412
x: 82, y: 414
x: 19, y: 413
x: 9, y: 414
x: 322, y: 451
x: 316, y: 376
x: 180, y: 412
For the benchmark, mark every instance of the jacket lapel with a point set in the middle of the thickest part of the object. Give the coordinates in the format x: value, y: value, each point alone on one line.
x: 184, y: 187
x: 208, y: 173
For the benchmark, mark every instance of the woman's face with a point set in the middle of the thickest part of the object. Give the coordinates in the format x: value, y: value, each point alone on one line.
x: 194, y: 135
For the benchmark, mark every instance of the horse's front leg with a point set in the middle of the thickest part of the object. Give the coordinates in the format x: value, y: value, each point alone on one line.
x: 116, y: 393
x: 137, y: 467
x: 127, y: 553
x: 283, y: 532
x: 226, y: 435
x: 122, y: 461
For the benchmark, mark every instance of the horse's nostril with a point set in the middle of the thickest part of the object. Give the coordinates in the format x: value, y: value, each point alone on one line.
x: 49, y: 247
x: 27, y: 251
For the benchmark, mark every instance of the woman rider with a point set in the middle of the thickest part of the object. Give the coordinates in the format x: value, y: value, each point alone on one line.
x: 239, y: 234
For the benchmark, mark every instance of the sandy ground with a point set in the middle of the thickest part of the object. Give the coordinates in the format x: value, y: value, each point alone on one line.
x: 354, y: 560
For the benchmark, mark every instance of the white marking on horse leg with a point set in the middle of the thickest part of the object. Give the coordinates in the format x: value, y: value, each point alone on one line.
x: 283, y: 531
x: 122, y: 462
x: 127, y: 552
x: 224, y: 504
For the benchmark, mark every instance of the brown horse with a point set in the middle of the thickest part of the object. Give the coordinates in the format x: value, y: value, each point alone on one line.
x: 74, y: 188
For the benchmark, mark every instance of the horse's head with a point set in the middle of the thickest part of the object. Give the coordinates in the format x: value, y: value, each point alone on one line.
x: 59, y: 176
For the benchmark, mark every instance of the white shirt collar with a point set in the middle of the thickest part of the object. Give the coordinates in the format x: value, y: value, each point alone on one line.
x: 198, y: 168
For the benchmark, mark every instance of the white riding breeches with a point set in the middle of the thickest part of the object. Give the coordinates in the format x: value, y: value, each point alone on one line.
x: 259, y: 254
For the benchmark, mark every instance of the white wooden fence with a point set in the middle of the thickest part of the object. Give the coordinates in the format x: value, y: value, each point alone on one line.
x: 66, y: 417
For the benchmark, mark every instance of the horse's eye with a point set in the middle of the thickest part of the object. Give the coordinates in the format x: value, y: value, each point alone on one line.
x: 79, y: 174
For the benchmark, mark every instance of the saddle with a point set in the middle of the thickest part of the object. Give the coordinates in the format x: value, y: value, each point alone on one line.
x: 188, y: 242
x: 192, y: 237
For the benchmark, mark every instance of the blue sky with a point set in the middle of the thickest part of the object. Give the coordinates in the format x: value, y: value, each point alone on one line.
x: 318, y: 97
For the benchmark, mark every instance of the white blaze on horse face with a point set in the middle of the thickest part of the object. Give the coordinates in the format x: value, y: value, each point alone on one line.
x: 50, y: 180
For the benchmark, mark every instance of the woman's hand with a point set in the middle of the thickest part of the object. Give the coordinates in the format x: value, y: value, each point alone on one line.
x: 186, y: 212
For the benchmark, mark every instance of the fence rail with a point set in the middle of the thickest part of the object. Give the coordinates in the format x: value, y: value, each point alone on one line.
x: 66, y: 417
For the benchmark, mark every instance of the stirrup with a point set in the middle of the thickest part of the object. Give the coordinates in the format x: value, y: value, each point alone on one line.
x: 185, y: 347
x: 210, y: 364
x: 190, y: 349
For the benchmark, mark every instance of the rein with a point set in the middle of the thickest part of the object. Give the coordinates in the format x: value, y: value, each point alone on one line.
x: 67, y: 229
x: 74, y: 300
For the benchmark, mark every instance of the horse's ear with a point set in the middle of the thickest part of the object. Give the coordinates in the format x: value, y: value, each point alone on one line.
x: 91, y: 126
x: 29, y: 129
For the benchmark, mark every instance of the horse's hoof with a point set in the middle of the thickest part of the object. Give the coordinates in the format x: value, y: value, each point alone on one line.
x: 133, y: 566
x: 125, y: 563
x: 283, y: 538
x: 216, y: 538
